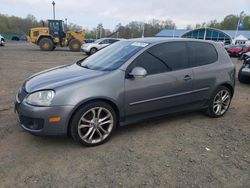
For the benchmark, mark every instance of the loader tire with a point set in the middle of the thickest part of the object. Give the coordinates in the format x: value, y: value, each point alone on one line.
x: 46, y: 44
x: 74, y: 45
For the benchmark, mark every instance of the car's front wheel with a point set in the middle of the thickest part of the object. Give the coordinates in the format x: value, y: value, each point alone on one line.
x: 219, y: 102
x: 92, y: 51
x: 2, y: 43
x: 93, y: 124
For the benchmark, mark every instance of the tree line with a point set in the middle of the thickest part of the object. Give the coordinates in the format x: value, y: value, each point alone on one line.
x: 134, y: 29
x: 230, y: 22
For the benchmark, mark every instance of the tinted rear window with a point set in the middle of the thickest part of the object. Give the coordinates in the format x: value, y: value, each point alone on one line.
x: 201, y: 53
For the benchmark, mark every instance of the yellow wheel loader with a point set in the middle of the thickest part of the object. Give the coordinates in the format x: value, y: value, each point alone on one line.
x: 48, y: 38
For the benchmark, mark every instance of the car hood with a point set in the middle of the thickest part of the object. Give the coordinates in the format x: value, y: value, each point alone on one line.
x: 59, y: 76
x: 88, y: 44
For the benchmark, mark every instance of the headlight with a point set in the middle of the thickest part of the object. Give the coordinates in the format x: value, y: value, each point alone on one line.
x: 41, y: 98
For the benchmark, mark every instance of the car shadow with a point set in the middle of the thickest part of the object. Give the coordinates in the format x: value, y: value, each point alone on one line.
x: 162, y: 121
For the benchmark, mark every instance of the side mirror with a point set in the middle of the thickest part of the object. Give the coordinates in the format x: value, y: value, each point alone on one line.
x: 138, y: 72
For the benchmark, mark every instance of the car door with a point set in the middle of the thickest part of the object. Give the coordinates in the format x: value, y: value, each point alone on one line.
x: 204, y: 60
x: 168, y: 83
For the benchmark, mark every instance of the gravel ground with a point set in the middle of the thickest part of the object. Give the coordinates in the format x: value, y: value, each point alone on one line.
x: 184, y: 150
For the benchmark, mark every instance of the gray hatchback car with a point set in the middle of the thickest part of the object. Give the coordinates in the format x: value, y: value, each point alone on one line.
x: 126, y: 83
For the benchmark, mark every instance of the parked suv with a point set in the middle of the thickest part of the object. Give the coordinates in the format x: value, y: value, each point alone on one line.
x: 125, y: 83
x: 91, y: 48
x: 2, y: 40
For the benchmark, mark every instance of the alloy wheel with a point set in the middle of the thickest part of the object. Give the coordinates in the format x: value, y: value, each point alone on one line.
x: 221, y: 102
x: 95, y: 125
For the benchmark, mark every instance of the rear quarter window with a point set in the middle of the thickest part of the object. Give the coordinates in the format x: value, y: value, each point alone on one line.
x: 201, y: 53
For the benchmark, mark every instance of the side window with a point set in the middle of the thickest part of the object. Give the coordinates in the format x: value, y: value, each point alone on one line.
x: 106, y: 41
x: 201, y: 53
x: 150, y: 63
x: 111, y: 41
x: 174, y: 54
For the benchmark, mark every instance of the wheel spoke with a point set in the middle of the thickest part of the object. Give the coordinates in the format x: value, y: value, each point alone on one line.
x: 103, y: 130
x: 99, y: 132
x: 216, y: 106
x: 99, y: 112
x: 105, y: 122
x: 225, y: 97
x: 87, y: 134
x: 225, y: 103
x: 219, y: 109
x: 85, y: 120
x: 216, y: 102
x: 92, y: 134
x: 103, y: 119
x: 84, y: 126
x: 94, y: 113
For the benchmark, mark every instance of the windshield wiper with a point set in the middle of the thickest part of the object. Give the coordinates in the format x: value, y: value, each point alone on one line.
x: 80, y: 64
x: 85, y: 66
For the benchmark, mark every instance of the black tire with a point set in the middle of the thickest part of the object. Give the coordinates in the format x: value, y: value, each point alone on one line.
x: 74, y: 45
x: 2, y: 42
x: 46, y: 44
x: 92, y: 51
x: 83, y: 110
x: 210, y: 110
x: 242, y: 78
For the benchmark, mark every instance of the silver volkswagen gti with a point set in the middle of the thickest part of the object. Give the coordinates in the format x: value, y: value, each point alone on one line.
x: 125, y: 83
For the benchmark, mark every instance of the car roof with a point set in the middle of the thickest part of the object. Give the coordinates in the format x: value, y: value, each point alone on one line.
x: 155, y: 40
x: 112, y: 38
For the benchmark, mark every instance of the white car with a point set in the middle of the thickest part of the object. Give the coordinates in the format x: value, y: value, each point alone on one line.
x: 2, y: 40
x: 91, y: 48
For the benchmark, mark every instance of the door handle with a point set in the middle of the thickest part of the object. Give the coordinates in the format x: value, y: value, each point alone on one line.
x: 187, y: 77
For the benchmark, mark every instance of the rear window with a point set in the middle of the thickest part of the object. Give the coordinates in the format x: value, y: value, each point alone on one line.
x: 201, y: 53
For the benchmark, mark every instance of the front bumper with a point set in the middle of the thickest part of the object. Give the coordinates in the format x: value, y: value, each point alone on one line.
x: 246, y: 71
x: 2, y: 42
x: 85, y: 49
x: 35, y: 119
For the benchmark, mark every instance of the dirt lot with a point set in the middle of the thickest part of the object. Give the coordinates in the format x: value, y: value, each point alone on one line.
x: 185, y: 150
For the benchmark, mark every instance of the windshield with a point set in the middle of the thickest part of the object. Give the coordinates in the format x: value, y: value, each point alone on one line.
x: 113, y: 56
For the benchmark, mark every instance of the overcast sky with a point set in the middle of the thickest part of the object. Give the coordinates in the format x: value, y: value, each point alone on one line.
x: 88, y: 13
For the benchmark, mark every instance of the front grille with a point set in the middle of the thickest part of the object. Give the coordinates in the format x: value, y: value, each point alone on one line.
x: 21, y: 94
x: 31, y: 123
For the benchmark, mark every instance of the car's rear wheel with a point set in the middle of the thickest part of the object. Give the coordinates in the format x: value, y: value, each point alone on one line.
x: 219, y: 102
x: 93, y: 124
x: 93, y: 50
x: 242, y: 78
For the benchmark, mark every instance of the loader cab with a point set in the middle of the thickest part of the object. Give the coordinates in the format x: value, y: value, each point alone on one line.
x: 56, y: 29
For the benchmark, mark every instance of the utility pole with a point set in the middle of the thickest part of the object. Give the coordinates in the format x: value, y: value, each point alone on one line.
x: 54, y: 12
x: 66, y: 23
x: 143, y: 30
x: 173, y: 31
x: 237, y: 28
x: 205, y: 34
